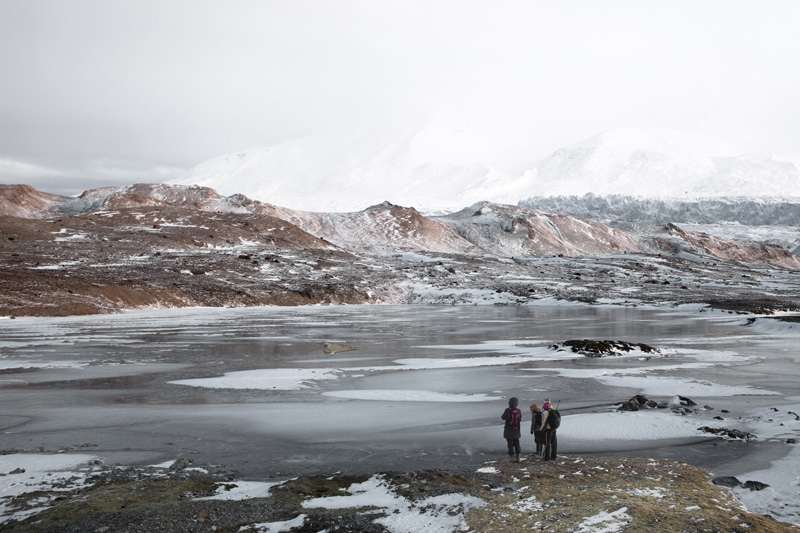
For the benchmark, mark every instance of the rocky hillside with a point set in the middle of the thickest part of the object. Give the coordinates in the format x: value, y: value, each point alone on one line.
x: 167, y: 245
x: 382, y: 228
x: 24, y: 201
x: 752, y: 252
x: 510, y: 231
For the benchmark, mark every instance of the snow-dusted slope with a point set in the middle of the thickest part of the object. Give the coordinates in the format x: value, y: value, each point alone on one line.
x: 507, y: 230
x: 381, y: 228
x: 437, y: 168
x: 744, y: 211
x: 484, y: 229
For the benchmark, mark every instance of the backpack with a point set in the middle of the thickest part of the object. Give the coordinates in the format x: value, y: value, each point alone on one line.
x: 514, y: 418
x: 554, y: 419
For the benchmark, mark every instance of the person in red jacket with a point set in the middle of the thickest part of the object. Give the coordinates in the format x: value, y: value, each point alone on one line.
x: 511, y: 432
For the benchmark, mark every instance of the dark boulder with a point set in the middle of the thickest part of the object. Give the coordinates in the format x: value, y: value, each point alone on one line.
x: 594, y: 348
x: 678, y: 402
x: 730, y: 481
x: 640, y: 401
x: 637, y: 402
x: 754, y: 485
x: 726, y: 481
x: 730, y: 433
x: 686, y: 401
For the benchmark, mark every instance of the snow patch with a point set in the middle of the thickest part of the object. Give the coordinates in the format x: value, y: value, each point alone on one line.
x: 444, y: 513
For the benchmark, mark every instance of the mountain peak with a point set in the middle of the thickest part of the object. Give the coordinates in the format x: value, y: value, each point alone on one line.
x: 386, y: 204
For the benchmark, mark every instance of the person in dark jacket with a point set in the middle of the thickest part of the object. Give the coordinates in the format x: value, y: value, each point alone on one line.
x: 550, y: 438
x: 538, y: 434
x: 513, y: 417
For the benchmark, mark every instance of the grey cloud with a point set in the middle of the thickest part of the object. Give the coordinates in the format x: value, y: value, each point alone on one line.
x: 171, y: 84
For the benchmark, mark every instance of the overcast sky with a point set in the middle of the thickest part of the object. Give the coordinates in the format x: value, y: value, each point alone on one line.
x: 108, y: 92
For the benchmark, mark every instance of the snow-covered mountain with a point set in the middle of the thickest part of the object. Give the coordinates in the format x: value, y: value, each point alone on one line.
x: 413, y: 164
x: 439, y: 168
x: 663, y: 164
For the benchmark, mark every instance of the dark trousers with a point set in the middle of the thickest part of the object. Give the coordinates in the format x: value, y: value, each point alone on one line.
x: 539, y: 439
x: 550, y: 444
x: 513, y: 447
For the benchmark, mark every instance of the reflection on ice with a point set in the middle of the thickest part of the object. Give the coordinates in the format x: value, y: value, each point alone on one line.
x: 642, y: 380
x: 630, y: 426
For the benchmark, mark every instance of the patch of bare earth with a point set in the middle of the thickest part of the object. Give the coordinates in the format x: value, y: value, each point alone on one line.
x: 633, y: 494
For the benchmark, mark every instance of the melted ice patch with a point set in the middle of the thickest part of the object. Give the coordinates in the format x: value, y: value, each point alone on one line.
x: 266, y: 379
x: 641, y: 378
x: 409, y: 396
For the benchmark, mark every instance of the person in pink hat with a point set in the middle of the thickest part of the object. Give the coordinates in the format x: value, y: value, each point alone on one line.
x: 549, y: 429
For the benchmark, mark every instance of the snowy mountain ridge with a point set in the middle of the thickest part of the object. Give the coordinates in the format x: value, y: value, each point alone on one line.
x: 438, y: 168
x: 483, y: 229
x: 663, y: 164
x: 615, y: 207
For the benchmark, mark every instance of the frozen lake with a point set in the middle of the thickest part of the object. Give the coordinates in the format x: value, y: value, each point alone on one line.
x: 252, y: 388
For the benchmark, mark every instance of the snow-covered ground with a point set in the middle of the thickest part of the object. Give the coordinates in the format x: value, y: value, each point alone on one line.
x: 253, y: 389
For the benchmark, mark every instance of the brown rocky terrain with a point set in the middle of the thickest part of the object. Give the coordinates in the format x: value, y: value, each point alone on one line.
x: 167, y: 245
x: 737, y: 251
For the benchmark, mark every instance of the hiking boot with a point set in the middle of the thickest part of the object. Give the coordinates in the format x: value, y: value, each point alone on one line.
x: 516, y: 460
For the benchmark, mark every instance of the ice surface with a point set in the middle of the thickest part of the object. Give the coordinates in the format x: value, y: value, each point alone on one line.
x: 778, y: 500
x: 643, y: 380
x: 639, y: 425
x: 424, y: 390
